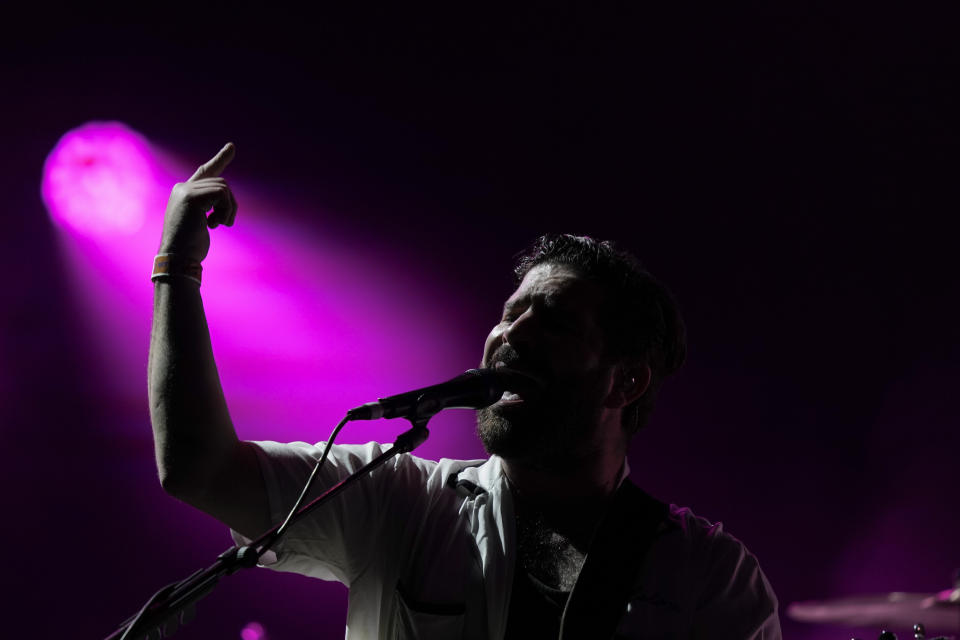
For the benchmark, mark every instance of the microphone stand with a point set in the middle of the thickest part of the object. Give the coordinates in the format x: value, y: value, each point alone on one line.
x: 173, y: 605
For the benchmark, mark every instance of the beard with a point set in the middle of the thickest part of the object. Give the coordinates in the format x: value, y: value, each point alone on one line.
x: 549, y: 430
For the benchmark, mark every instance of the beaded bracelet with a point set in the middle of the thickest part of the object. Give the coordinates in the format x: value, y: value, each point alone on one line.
x: 168, y: 265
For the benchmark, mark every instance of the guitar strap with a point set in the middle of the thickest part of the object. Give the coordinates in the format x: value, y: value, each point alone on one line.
x: 600, y: 595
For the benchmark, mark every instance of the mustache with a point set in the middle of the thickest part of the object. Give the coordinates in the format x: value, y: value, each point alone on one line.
x: 506, y: 354
x: 515, y: 375
x: 511, y: 359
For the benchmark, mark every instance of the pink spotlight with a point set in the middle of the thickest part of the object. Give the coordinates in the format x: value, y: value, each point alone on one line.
x: 100, y: 179
x: 253, y: 631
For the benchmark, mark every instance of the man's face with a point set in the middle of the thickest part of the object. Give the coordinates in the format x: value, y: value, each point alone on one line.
x: 549, y: 329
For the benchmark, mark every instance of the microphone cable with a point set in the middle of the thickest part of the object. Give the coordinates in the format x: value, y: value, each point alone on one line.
x: 282, y: 529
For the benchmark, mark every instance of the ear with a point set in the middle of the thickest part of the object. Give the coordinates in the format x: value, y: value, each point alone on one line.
x: 630, y: 382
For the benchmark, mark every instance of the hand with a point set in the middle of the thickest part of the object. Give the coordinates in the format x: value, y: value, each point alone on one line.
x: 185, y: 224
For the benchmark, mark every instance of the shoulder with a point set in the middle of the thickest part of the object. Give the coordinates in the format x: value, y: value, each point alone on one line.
x: 350, y: 456
x: 711, y: 552
x: 725, y: 581
x: 296, y: 460
x: 699, y: 535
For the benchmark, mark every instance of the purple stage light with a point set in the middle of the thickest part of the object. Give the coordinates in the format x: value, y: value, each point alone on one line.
x: 100, y: 179
x: 253, y: 631
x: 304, y: 324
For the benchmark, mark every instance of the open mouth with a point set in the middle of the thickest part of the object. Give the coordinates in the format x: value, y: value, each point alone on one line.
x: 510, y: 398
x: 521, y: 386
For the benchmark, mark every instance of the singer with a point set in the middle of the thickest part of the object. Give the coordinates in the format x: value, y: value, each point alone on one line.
x: 547, y: 538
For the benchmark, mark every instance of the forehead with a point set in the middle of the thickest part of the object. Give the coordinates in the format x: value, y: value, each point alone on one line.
x: 557, y: 284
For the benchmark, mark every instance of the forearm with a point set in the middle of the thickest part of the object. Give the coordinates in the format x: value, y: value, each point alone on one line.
x: 199, y: 457
x: 193, y: 433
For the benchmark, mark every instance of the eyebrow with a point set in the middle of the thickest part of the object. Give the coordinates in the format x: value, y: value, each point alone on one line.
x: 513, y: 302
x: 527, y: 299
x: 516, y: 302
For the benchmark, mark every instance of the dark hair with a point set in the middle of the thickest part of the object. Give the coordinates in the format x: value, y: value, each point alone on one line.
x: 639, y: 318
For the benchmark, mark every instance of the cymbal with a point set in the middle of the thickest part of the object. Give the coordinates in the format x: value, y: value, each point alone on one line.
x: 938, y: 611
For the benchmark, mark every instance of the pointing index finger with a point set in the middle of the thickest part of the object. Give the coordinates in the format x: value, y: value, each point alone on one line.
x: 215, y: 166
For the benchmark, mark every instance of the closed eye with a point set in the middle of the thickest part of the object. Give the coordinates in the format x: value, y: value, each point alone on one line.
x: 511, y: 313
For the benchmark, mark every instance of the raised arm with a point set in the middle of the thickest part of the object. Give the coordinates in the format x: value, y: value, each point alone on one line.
x: 199, y: 457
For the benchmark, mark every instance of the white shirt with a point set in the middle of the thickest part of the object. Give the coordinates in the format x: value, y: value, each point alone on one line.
x: 428, y: 551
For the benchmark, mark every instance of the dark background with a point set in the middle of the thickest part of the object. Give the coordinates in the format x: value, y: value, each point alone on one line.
x: 790, y: 172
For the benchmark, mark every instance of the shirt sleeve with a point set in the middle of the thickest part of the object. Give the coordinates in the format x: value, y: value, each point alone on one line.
x: 338, y: 540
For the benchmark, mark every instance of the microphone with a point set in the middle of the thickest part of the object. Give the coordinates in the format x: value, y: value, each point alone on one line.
x: 474, y: 389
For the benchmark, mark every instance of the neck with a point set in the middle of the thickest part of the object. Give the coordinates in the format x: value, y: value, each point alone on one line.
x: 562, y: 504
x: 584, y: 480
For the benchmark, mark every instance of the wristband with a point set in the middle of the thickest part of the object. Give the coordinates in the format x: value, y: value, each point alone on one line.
x: 169, y: 265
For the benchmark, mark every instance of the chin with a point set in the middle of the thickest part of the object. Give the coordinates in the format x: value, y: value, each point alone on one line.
x: 546, y: 435
x: 514, y: 434
x: 505, y: 437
